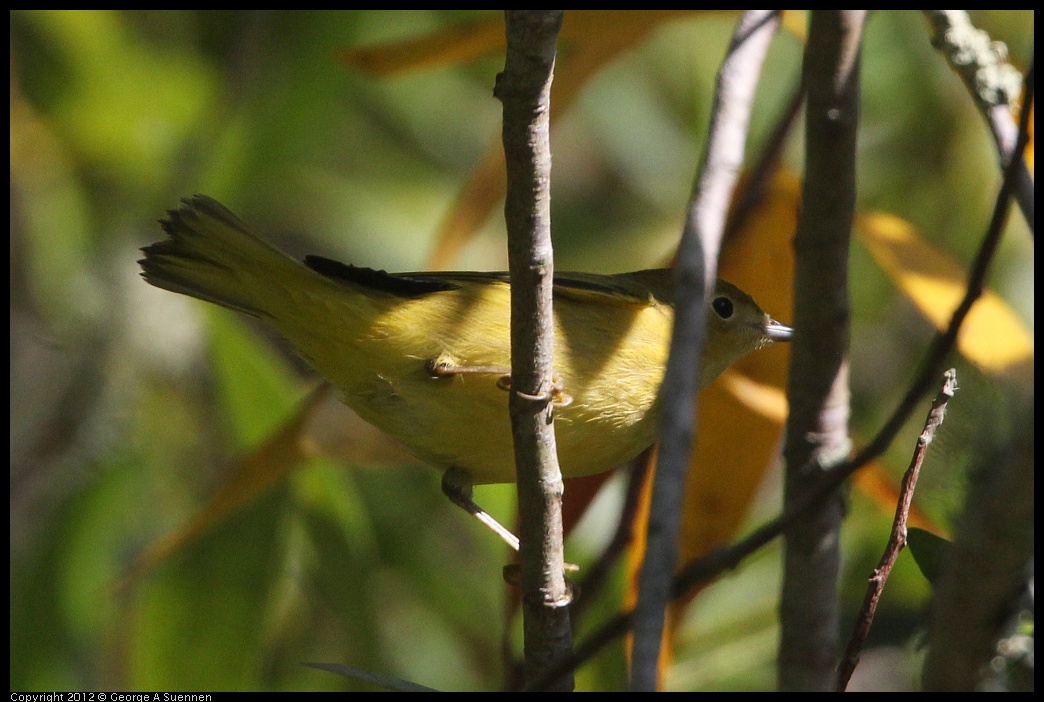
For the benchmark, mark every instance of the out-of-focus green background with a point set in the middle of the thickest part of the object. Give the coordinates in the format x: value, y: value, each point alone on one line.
x: 127, y: 402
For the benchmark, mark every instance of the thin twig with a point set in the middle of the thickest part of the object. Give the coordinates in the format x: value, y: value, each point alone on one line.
x: 695, y: 273
x: 897, y: 537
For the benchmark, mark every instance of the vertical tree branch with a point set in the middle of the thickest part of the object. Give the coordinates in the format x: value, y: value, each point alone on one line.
x: 524, y: 88
x: 817, y: 428
x: 695, y: 273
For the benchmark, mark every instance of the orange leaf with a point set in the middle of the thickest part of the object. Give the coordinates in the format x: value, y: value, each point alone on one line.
x: 448, y: 46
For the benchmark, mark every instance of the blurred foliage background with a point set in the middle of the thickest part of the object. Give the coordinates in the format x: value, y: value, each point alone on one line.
x: 127, y: 403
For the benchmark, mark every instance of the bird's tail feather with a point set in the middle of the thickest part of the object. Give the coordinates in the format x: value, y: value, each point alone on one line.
x: 211, y: 255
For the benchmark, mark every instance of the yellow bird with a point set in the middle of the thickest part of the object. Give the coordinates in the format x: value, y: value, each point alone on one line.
x: 425, y: 356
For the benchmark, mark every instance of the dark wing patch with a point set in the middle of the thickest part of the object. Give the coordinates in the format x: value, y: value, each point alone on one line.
x: 638, y: 288
x: 400, y: 285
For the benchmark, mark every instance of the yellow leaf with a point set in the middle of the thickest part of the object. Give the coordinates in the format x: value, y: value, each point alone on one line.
x: 993, y: 337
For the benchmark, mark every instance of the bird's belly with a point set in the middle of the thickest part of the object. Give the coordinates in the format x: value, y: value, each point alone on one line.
x: 463, y: 421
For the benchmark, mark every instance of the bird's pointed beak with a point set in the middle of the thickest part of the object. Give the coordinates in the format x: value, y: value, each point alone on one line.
x: 775, y: 331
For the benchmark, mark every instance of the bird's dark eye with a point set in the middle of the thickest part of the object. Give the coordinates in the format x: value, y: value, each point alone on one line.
x: 723, y: 307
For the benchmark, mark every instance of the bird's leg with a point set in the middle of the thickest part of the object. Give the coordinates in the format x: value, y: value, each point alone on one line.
x: 456, y: 485
x: 442, y: 367
x: 557, y: 394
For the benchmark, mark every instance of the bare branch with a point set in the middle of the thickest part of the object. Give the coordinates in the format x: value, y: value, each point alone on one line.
x: 695, y: 274
x: 897, y: 537
x: 524, y: 88
x: 817, y: 428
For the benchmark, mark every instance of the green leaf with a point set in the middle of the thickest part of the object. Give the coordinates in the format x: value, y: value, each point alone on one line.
x: 930, y: 552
